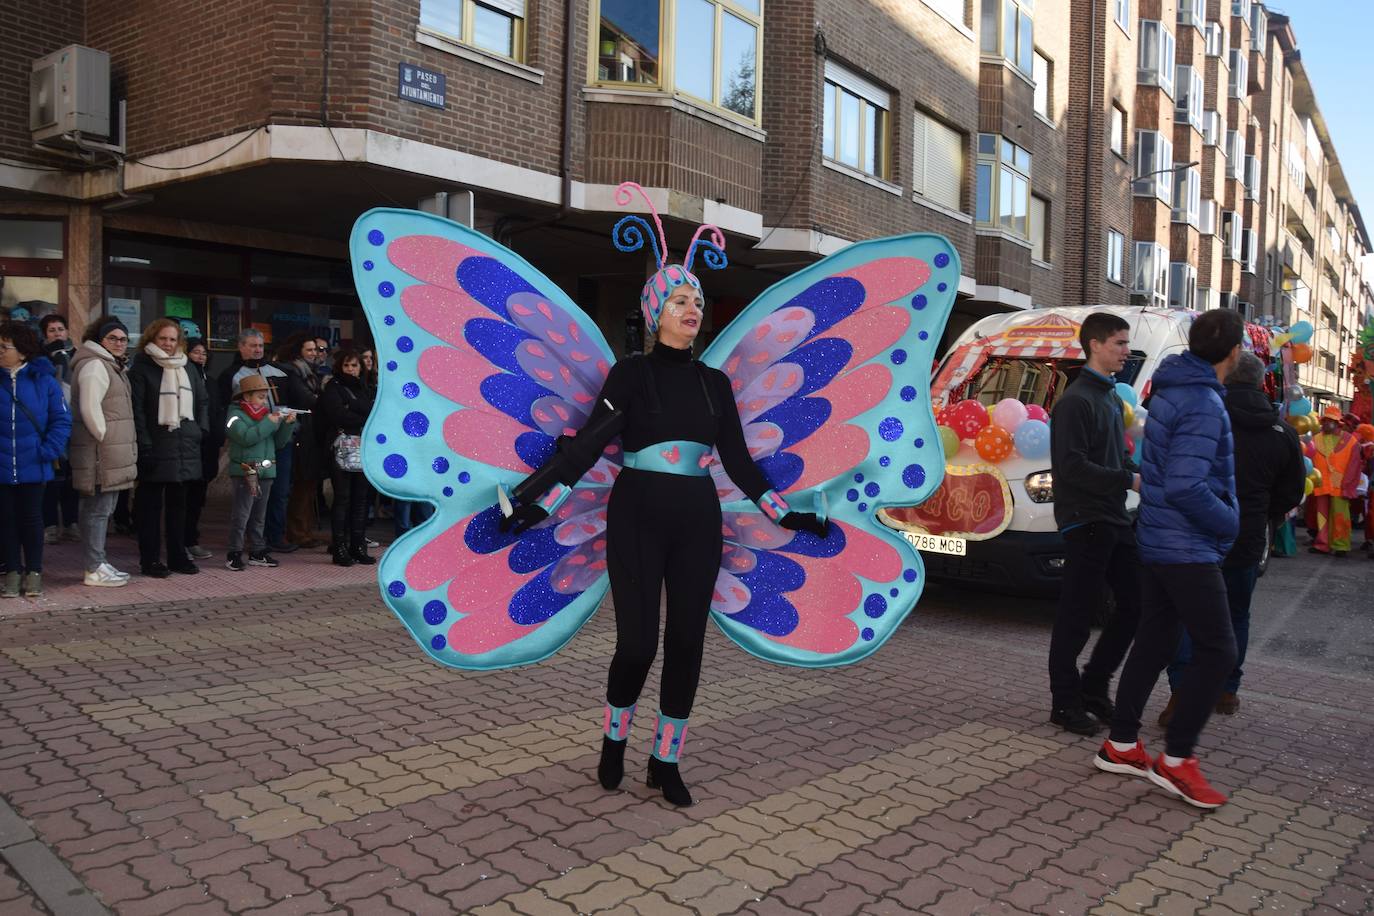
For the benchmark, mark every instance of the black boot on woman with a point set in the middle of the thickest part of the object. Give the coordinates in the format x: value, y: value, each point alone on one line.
x: 615, y: 732
x: 669, y: 737
x: 359, y: 555
x: 341, y: 557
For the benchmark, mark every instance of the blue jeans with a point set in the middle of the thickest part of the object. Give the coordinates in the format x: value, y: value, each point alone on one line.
x: 275, y: 528
x: 1240, y: 588
x: 406, y: 515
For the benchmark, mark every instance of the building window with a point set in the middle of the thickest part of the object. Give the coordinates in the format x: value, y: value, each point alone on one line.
x: 1207, y: 217
x: 1003, y: 184
x: 1188, y: 99
x: 1192, y: 12
x: 1043, y: 70
x: 1150, y: 275
x: 1231, y: 228
x: 1238, y: 82
x: 1154, y: 161
x: 1007, y: 29
x: 1116, y: 247
x: 1235, y: 154
x: 938, y: 153
x: 1216, y: 39
x: 1156, y: 65
x: 715, y: 48
x: 1206, y: 299
x: 1118, y: 129
x: 1187, y: 196
x: 1259, y: 26
x: 855, y: 132
x: 1240, y: 8
x: 1040, y: 228
x: 1211, y: 127
x: 1121, y: 12
x: 496, y: 26
x: 1182, y: 285
x: 1249, y: 250
x: 1252, y: 176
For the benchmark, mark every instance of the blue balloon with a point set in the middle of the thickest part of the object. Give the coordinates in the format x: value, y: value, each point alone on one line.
x: 1306, y: 465
x: 1032, y: 439
x: 1127, y: 394
x: 1300, y: 408
x: 1301, y: 332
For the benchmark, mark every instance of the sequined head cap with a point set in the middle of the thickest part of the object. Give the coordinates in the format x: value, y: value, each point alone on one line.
x: 631, y: 233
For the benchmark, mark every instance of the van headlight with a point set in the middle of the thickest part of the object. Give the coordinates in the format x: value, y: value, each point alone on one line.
x: 1040, y: 487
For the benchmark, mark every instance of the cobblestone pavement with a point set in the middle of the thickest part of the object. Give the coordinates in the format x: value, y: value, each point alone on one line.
x: 294, y: 753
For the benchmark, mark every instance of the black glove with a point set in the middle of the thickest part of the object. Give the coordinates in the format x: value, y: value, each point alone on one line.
x: 525, y: 517
x: 805, y: 521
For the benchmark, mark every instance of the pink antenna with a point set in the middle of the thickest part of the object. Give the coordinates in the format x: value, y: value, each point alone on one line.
x: 624, y: 194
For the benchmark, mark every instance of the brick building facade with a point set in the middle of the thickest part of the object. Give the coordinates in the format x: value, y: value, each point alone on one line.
x: 1020, y: 129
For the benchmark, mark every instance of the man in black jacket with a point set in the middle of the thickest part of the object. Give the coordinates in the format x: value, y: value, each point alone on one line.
x: 1269, y: 483
x: 1092, y: 474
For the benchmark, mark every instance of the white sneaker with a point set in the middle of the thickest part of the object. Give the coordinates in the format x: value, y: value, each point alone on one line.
x: 50, y: 534
x: 109, y: 570
x: 102, y: 579
x: 197, y: 552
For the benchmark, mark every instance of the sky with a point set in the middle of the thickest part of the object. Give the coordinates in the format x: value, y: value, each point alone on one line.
x: 1334, y: 38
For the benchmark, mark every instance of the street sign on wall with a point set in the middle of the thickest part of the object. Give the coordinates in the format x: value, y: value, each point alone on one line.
x: 424, y: 87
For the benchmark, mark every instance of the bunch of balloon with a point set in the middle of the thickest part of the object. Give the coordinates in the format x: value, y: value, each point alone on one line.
x: 1009, y: 427
x: 1299, y: 333
x: 1133, y: 416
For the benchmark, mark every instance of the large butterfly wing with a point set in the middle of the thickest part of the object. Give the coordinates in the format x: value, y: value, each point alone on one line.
x: 831, y: 373
x: 483, y: 362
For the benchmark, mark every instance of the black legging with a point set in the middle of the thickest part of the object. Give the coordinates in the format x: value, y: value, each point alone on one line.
x: 149, y: 505
x: 662, y: 529
x: 348, y: 518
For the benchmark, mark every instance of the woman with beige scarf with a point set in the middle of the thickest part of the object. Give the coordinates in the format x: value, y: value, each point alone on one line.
x: 171, y: 415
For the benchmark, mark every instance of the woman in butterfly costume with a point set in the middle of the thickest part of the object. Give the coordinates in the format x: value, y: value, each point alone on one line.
x: 747, y: 482
x: 663, y: 522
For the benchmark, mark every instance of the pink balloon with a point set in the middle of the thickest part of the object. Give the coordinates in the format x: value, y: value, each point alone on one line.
x: 1009, y: 413
x: 1036, y: 412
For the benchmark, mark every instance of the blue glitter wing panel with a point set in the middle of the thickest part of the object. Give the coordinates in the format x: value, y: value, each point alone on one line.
x: 483, y: 363
x: 831, y: 373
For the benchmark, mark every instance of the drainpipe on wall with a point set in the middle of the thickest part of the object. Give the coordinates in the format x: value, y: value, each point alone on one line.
x: 1088, y: 146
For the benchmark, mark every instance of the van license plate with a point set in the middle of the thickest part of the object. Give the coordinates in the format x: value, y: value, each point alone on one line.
x: 932, y: 543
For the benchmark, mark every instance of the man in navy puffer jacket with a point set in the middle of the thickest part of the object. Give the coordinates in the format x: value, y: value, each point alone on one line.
x: 1188, y: 519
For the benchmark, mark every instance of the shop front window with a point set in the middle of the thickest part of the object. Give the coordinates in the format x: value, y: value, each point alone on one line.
x: 30, y: 268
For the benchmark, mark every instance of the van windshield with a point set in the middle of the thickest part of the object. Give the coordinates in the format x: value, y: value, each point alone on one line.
x: 1033, y: 381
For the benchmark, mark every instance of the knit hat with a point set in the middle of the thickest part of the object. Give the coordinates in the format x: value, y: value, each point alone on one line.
x: 630, y: 234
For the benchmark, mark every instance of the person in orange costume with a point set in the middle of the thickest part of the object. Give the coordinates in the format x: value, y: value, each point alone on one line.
x: 1336, y: 454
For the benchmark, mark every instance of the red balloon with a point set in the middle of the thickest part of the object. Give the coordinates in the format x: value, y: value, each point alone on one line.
x: 967, y: 418
x: 1036, y: 412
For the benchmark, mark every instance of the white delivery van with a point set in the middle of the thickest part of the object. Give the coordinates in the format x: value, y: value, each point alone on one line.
x: 993, y: 524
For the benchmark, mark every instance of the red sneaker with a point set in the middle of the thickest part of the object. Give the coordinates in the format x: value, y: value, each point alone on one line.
x: 1187, y: 782
x: 1134, y: 762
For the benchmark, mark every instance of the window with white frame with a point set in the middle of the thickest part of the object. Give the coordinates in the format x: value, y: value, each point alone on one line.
x: 1154, y: 160
x: 1150, y: 273
x: 1156, y: 64
x: 1182, y: 285
x: 1211, y: 127
x: 1192, y: 12
x: 1259, y: 26
x: 1043, y: 71
x: 1002, y: 183
x: 1116, y: 252
x: 1007, y: 29
x: 1240, y: 8
x: 1249, y: 250
x: 1039, y: 228
x: 1206, y: 299
x: 1252, y: 177
x: 1215, y: 39
x: 1207, y: 217
x: 938, y: 155
x: 1187, y: 196
x: 715, y: 47
x: 1121, y: 12
x: 1118, y: 129
x: 495, y: 26
x: 1189, y: 97
x: 1235, y: 154
x: 1293, y: 161
x: 855, y: 129
x: 1238, y: 83
x: 1232, y: 225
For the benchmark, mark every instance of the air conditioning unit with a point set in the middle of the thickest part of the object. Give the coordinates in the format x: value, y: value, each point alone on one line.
x: 69, y: 93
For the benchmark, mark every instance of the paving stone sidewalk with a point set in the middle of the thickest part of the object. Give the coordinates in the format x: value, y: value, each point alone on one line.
x: 294, y: 753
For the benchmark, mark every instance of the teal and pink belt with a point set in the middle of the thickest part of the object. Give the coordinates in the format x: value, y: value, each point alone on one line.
x: 678, y: 456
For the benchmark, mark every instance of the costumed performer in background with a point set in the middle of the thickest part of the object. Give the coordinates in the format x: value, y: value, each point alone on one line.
x: 1336, y: 454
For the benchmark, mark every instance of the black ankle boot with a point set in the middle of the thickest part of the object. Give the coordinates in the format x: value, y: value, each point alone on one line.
x: 341, y: 557
x: 611, y: 770
x: 665, y: 776
x: 359, y: 555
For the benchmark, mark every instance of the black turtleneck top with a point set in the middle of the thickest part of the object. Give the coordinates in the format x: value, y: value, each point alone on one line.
x: 664, y: 397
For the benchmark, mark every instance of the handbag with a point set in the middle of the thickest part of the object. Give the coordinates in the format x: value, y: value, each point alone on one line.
x: 348, y: 452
